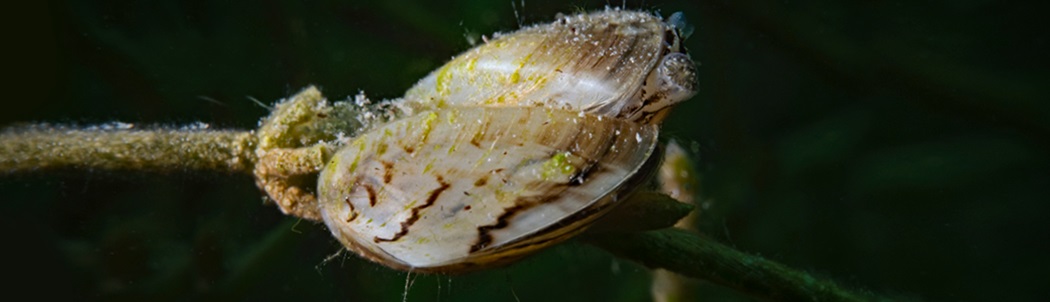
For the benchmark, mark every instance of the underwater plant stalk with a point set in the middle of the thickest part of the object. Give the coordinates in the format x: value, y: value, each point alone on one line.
x: 696, y: 256
x: 45, y: 147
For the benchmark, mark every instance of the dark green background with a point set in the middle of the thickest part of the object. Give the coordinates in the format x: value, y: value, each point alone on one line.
x: 891, y: 145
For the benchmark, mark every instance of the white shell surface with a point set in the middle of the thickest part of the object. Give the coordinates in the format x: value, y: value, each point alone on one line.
x: 512, y: 146
x: 598, y: 63
x: 464, y: 187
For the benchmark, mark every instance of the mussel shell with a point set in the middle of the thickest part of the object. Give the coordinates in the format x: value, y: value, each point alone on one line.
x: 595, y: 62
x: 464, y: 188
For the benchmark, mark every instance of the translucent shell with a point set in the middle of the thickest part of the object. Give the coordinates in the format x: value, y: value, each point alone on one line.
x: 469, y: 187
x: 512, y: 146
x: 611, y: 63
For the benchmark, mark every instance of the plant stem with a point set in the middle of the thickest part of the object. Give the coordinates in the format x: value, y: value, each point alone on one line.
x: 692, y: 255
x: 679, y: 180
x: 47, y: 147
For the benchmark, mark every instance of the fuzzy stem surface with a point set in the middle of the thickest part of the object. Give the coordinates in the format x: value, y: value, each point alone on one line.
x: 44, y: 147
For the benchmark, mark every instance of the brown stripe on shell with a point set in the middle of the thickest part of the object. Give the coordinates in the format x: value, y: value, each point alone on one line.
x: 415, y: 211
x: 353, y: 212
x: 371, y: 194
x: 521, y: 204
x: 484, y: 238
x: 482, y: 181
x: 580, y: 176
x: 388, y: 171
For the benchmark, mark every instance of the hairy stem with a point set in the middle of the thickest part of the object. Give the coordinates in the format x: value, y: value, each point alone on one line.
x: 46, y: 147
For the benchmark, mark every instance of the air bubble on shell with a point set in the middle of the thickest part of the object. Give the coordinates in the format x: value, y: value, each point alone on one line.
x: 196, y: 126
x: 111, y: 126
x: 361, y: 100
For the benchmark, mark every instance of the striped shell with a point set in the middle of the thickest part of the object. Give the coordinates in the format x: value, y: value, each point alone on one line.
x: 615, y: 63
x: 466, y: 186
x: 510, y: 147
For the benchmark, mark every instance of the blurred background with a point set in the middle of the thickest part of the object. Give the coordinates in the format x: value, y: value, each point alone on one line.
x: 894, y: 146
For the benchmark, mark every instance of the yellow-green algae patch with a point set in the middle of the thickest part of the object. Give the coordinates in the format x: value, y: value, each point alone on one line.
x: 428, y: 125
x: 558, y: 166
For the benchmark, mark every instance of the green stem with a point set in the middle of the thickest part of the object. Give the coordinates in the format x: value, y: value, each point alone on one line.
x: 699, y: 257
x: 46, y: 147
